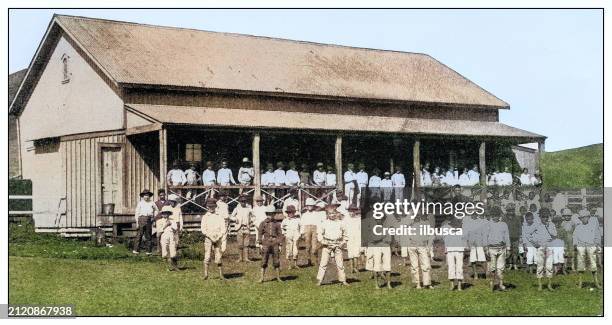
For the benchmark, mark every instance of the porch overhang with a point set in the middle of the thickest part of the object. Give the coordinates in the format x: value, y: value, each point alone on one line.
x: 283, y: 120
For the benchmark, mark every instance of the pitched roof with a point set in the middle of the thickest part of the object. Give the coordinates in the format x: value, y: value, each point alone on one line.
x: 14, y: 81
x: 163, y: 56
x: 214, y: 116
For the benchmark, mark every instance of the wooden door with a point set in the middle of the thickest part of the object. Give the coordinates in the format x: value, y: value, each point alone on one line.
x: 111, y: 175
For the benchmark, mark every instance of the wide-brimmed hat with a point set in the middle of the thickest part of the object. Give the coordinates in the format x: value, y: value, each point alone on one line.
x: 166, y: 209
x: 566, y: 212
x: 146, y: 192
x: 173, y: 197
x: 258, y: 198
x: 245, y: 160
x: 584, y: 213
x: 319, y: 164
x: 310, y: 201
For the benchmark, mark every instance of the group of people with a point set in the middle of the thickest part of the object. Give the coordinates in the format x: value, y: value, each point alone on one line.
x: 499, y: 238
x: 471, y: 177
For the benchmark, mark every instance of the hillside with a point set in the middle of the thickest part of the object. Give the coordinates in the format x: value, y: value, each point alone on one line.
x: 574, y: 168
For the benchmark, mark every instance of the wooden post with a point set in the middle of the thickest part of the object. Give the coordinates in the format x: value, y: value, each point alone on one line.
x: 256, y: 164
x: 416, y: 163
x: 482, y: 163
x: 391, y: 165
x: 163, y: 158
x: 338, y: 151
x: 540, y: 153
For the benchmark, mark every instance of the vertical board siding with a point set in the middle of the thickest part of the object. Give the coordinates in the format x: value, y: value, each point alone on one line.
x: 81, y: 159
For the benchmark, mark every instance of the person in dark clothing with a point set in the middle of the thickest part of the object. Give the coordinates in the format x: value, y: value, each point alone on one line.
x: 270, y: 238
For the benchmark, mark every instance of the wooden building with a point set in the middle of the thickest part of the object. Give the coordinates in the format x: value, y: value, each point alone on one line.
x: 105, y: 106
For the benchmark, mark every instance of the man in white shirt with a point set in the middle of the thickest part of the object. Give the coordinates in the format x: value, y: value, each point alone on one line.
x: 374, y: 185
x: 505, y: 178
x: 176, y: 176
x: 538, y: 236
x: 267, y: 178
x: 145, y: 211
x: 586, y: 241
x: 280, y: 177
x: 224, y: 175
x: 330, y: 176
x: 214, y: 229
x: 464, y: 178
x: 386, y: 187
x: 191, y: 175
x: 449, y: 178
x: 474, y: 176
x: 242, y: 216
x: 498, y: 244
x: 246, y: 172
x: 292, y: 199
x: 525, y: 177
x: 425, y: 176
x: 208, y: 175
x: 292, y: 176
x: 318, y: 176
x: 310, y: 221
x: 399, y: 182
x: 362, y: 182
x: 333, y: 236
x: 350, y: 182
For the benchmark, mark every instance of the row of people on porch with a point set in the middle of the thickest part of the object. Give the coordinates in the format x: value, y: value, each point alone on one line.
x: 326, y: 176
x: 331, y: 230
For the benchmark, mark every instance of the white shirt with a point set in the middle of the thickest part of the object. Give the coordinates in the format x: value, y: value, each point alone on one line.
x: 504, y: 178
x: 362, y: 178
x: 225, y: 176
x: 374, y: 181
x: 292, y: 177
x: 464, y: 180
x: 242, y: 216
x: 191, y: 176
x: 291, y: 228
x: 454, y: 243
x: 525, y: 179
x: 259, y: 213
x: 497, y: 233
x: 318, y: 177
x: 425, y: 178
x: 267, y: 178
x: 208, y: 177
x: 213, y: 225
x: 586, y: 235
x: 398, y: 180
x: 280, y: 177
x: 349, y: 177
x: 245, y: 175
x: 311, y: 218
x: 331, y: 232
x: 449, y: 178
x: 474, y: 177
x: 330, y: 179
x: 176, y: 177
x: 145, y: 209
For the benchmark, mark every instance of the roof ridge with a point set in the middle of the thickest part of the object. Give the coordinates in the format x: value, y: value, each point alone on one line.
x: 233, y: 34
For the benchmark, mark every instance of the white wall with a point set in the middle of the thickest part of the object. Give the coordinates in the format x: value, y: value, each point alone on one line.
x: 84, y: 104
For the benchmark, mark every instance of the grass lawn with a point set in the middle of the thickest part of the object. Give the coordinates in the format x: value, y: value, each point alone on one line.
x: 103, y: 283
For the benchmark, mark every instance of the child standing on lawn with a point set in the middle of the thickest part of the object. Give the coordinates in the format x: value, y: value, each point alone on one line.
x: 586, y: 241
x: 168, y: 243
x: 292, y: 227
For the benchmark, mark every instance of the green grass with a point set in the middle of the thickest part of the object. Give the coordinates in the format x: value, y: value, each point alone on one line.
x: 44, y: 269
x: 574, y: 168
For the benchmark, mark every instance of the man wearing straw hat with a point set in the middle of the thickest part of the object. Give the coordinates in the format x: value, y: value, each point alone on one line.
x: 145, y: 211
x: 168, y: 244
x: 214, y: 229
x: 246, y: 172
x: 332, y: 236
x: 176, y: 216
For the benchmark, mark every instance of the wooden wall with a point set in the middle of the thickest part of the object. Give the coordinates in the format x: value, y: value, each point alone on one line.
x: 81, y: 163
x: 142, y: 161
x: 81, y: 160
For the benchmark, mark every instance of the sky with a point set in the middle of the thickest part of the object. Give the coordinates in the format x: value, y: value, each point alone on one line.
x: 547, y: 64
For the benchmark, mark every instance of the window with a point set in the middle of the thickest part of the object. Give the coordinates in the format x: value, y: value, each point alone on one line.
x: 193, y: 152
x: 65, y: 71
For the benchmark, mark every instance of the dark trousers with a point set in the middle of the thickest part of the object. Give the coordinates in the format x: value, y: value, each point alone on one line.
x: 274, y: 252
x: 144, y: 231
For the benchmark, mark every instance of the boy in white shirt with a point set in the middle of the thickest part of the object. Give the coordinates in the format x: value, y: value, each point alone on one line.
x: 292, y: 176
x: 191, y: 176
x: 246, y: 172
x: 242, y: 216
x: 399, y: 182
x: 454, y: 247
x: 176, y: 176
x: 586, y: 241
x: 374, y: 185
x: 498, y: 244
x: 350, y: 182
x: 310, y: 220
x: 145, y: 211
x: 362, y: 182
x: 291, y: 226
x: 167, y: 240
x: 267, y: 178
x: 386, y: 187
x: 318, y: 176
x: 208, y: 175
x: 330, y: 176
x: 224, y: 175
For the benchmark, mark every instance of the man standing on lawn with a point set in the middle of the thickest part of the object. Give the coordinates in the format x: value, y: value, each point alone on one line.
x: 332, y: 236
x: 159, y: 204
x: 145, y: 211
x: 243, y: 216
x: 214, y: 228
x: 270, y: 238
